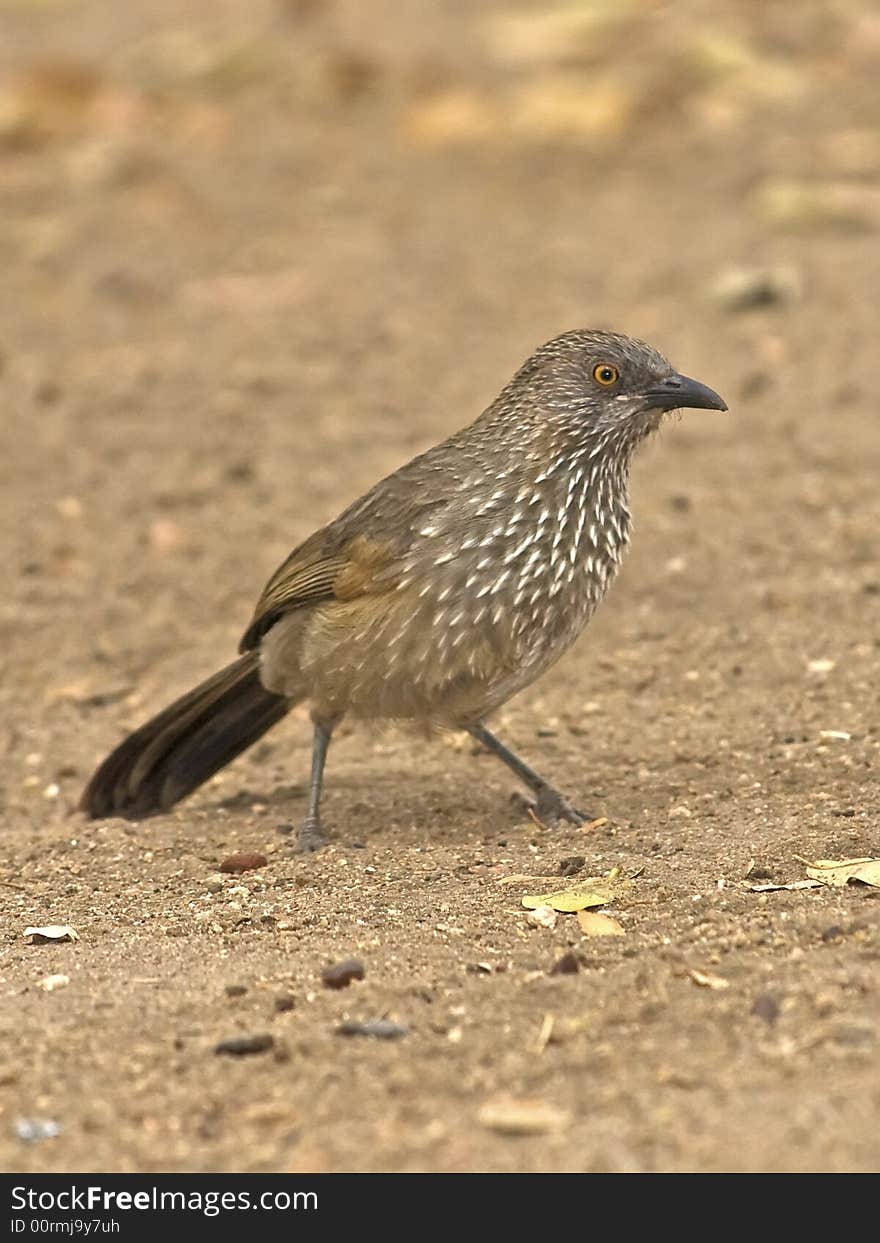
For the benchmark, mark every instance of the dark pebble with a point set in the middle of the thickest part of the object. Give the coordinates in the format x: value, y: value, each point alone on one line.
x: 572, y: 865
x: 284, y: 1002
x: 341, y: 974
x: 244, y: 1046
x: 378, y: 1029
x: 766, y: 1007
x: 761, y: 873
x: 834, y: 933
x: 235, y: 990
x: 244, y: 862
x: 568, y: 964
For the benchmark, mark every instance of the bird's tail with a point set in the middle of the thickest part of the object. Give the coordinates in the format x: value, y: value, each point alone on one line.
x: 170, y: 756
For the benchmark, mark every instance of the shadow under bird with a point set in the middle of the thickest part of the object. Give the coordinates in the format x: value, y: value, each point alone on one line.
x: 443, y: 591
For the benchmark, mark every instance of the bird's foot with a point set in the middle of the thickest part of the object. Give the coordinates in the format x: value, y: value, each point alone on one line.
x: 311, y: 837
x: 550, y: 808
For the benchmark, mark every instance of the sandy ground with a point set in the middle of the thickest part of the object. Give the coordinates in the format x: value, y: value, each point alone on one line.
x: 256, y: 256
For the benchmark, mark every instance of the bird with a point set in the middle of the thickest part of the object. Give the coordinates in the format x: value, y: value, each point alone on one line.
x: 443, y: 591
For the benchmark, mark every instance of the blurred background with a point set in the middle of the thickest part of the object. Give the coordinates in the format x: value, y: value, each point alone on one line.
x: 234, y: 234
x: 256, y: 255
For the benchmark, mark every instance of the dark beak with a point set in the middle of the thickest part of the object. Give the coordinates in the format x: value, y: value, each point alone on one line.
x: 679, y: 392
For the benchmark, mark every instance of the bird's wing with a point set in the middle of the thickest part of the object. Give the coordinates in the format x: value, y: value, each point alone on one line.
x: 361, y: 553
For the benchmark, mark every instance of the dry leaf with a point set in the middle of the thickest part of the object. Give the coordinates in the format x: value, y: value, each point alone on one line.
x: 595, y: 924
x: 52, y: 932
x: 592, y: 891
x: 705, y: 980
x: 568, y: 900
x: 839, y: 872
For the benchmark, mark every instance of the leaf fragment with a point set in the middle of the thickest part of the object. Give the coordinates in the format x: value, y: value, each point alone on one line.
x: 591, y: 891
x: 52, y: 932
x: 568, y: 900
x: 596, y: 924
x: 839, y: 872
x: 706, y: 980
x: 774, y: 886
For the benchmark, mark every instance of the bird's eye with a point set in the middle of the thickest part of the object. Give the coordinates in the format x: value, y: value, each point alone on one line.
x: 605, y: 374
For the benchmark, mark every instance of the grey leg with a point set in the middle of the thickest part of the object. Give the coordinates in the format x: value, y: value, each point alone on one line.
x: 310, y: 835
x: 550, y: 806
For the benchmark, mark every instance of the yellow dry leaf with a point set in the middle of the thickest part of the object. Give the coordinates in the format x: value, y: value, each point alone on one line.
x: 592, y: 891
x: 595, y: 924
x: 575, y: 899
x: 839, y: 872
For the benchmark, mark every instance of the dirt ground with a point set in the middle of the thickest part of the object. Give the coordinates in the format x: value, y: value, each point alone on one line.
x: 254, y: 257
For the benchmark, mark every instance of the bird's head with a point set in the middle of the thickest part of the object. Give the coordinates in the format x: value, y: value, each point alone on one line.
x: 602, y: 382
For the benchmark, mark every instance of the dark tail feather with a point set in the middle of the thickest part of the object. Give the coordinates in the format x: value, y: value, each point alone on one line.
x: 178, y: 750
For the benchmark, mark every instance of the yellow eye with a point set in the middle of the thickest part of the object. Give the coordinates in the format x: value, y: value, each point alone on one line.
x: 605, y: 374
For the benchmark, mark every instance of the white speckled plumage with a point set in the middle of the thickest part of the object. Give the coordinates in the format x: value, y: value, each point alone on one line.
x: 444, y: 590
x: 504, y: 540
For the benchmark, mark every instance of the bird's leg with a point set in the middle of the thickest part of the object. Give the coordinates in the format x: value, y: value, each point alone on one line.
x: 550, y: 806
x: 310, y: 835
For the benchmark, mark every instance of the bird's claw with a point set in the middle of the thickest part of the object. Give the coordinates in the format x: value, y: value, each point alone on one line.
x: 311, y: 838
x: 552, y: 810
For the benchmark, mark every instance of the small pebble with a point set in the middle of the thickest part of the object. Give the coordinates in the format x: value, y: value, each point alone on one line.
x: 50, y: 982
x: 284, y: 1002
x: 568, y: 964
x: 244, y: 1046
x: 760, y: 873
x: 766, y: 1007
x: 744, y: 288
x: 379, y: 1029
x: 341, y: 974
x: 244, y: 862
x: 528, y: 1117
x: 572, y: 865
x: 542, y: 917
x: 235, y: 990
x: 32, y: 1130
